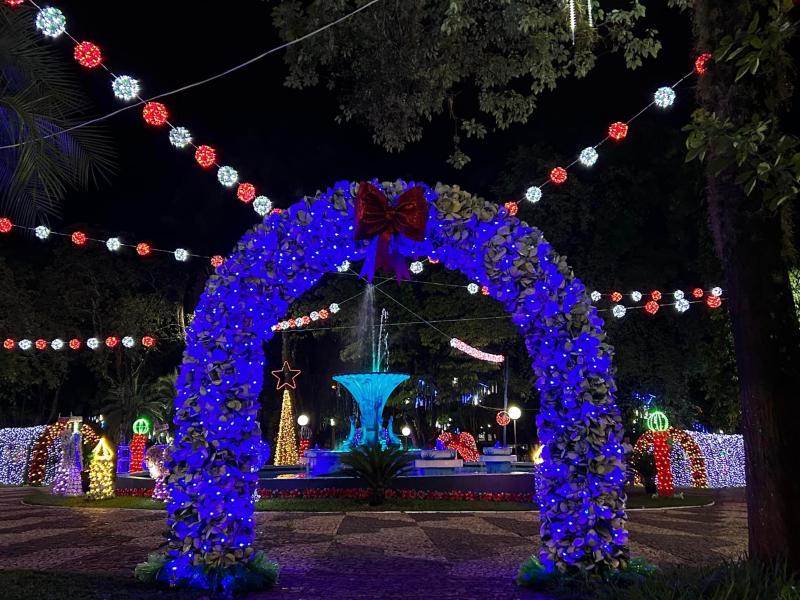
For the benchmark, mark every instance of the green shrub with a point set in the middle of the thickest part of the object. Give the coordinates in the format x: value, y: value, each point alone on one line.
x: 377, y: 467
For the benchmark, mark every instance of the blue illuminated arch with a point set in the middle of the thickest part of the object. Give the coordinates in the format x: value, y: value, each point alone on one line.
x: 217, y: 432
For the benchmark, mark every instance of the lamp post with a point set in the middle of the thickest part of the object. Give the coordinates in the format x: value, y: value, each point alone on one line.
x: 514, y: 413
x: 406, y: 431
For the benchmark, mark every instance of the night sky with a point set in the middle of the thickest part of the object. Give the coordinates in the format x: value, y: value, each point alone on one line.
x: 286, y: 141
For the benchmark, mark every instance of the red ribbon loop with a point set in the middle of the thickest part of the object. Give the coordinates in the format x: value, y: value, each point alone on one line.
x: 377, y: 219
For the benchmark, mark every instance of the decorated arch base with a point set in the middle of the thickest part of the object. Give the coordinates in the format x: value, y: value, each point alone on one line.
x: 217, y: 439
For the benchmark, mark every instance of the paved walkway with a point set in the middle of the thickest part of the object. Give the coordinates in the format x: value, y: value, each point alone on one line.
x: 361, y: 555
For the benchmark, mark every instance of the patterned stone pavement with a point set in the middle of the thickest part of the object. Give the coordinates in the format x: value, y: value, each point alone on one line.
x: 361, y: 555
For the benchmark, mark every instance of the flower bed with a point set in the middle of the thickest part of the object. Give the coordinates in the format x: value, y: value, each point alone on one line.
x: 363, y: 494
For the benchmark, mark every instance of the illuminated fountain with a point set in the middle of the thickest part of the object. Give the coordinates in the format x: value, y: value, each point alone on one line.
x: 371, y: 391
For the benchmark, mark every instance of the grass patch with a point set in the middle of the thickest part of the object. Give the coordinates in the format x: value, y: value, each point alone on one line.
x: 23, y: 584
x: 731, y: 580
x: 638, y: 499
x: 635, y: 500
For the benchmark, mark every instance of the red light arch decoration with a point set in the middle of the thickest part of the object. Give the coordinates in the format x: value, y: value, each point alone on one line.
x: 689, y: 446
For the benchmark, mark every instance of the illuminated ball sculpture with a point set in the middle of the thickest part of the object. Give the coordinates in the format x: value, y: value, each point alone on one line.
x: 88, y: 55
x: 253, y: 289
x: 658, y: 423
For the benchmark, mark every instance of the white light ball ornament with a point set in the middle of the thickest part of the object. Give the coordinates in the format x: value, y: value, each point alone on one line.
x: 588, y: 156
x: 262, y: 205
x: 473, y: 288
x: 57, y: 344
x: 636, y: 296
x: 180, y: 137
x: 595, y: 296
x: 125, y: 87
x: 181, y: 255
x: 51, y: 22
x: 334, y: 308
x: 42, y: 232
x: 128, y: 341
x: 682, y: 305
x: 314, y: 315
x: 25, y: 344
x: 716, y: 291
x: 664, y: 97
x: 678, y: 295
x: 344, y: 267
x: 113, y: 244
x: 93, y: 343
x: 533, y: 194
x: 618, y: 311
x: 227, y: 176
x: 416, y: 267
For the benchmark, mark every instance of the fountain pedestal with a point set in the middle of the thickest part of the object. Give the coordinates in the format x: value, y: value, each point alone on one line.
x: 371, y: 391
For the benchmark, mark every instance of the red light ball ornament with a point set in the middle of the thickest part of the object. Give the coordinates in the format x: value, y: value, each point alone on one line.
x: 656, y: 295
x: 502, y: 418
x: 701, y: 62
x: 713, y: 301
x: 246, y: 192
x: 697, y: 293
x: 41, y: 344
x: 5, y: 225
x: 618, y: 131
x: 276, y: 211
x: 306, y: 320
x: 155, y: 114
x: 217, y: 261
x: 9, y: 344
x: 75, y: 344
x: 148, y: 341
x: 512, y: 208
x: 79, y: 238
x: 14, y: 3
x: 88, y: 55
x: 205, y: 156
x: 558, y: 175
x: 652, y: 307
x: 616, y: 296
x: 143, y: 249
x: 324, y: 314
x: 112, y: 341
x: 485, y: 290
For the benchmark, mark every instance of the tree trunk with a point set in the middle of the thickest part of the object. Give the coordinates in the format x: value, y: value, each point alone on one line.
x: 765, y: 328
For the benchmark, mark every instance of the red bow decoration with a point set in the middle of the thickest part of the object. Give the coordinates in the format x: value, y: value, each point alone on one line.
x: 463, y: 443
x: 376, y: 219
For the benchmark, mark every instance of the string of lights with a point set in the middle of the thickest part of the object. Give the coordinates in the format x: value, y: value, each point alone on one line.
x: 663, y: 98
x: 93, y: 343
x: 113, y: 244
x: 194, y: 84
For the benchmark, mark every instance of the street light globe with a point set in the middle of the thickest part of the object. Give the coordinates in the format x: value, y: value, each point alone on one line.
x: 406, y: 431
x: 302, y: 420
x: 514, y: 412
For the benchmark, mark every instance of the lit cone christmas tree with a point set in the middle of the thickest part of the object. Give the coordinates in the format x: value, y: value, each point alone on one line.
x: 101, y: 472
x: 286, y: 448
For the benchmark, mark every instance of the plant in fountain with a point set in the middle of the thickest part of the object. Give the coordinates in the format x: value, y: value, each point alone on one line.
x: 377, y: 467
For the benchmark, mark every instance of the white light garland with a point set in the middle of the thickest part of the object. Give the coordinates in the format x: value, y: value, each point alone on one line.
x: 682, y: 305
x: 664, y: 97
x: 57, y: 344
x: 51, y: 22
x: 473, y: 288
x: 125, y: 88
x: 113, y: 244
x: 262, y: 205
x: 636, y: 296
x: 716, y: 291
x: 588, y: 156
x: 618, y: 311
x: 416, y: 267
x: 128, y: 341
x: 595, y: 296
x: 25, y: 344
x: 533, y: 194
x: 334, y: 308
x: 678, y: 295
x: 93, y: 343
x: 181, y: 255
x: 227, y: 176
x: 42, y: 232
x: 180, y: 137
x: 475, y: 353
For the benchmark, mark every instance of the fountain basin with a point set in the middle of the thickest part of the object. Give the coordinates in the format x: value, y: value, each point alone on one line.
x: 371, y: 392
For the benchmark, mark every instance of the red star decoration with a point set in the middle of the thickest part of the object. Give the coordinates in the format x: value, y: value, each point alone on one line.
x: 286, y: 376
